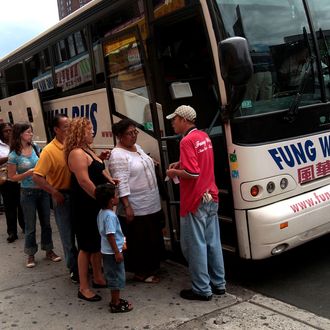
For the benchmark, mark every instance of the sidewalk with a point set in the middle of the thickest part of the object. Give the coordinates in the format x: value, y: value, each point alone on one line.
x: 44, y: 297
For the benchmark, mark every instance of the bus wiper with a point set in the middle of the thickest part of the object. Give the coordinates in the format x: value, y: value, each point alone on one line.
x: 291, y: 115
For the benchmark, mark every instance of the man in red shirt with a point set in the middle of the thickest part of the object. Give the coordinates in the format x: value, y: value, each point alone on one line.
x: 199, y: 225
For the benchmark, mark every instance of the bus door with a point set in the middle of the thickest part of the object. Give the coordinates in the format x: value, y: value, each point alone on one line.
x: 129, y: 87
x: 129, y: 91
x: 184, y: 73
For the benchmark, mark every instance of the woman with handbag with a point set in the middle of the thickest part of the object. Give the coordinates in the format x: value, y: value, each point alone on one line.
x: 10, y: 190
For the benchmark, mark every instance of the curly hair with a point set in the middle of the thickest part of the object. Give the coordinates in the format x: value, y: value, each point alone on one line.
x: 18, y: 129
x: 75, y: 137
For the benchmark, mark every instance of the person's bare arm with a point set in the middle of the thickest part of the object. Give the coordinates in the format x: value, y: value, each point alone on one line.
x: 112, y: 241
x: 175, y: 165
x: 104, y: 155
x: 43, y: 184
x: 13, y: 176
x: 171, y: 173
x: 107, y: 175
x: 128, y: 208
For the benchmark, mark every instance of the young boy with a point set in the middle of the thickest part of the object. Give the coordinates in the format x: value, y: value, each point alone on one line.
x: 112, y: 242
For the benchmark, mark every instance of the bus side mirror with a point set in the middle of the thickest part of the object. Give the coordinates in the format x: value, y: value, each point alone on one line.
x: 236, y: 68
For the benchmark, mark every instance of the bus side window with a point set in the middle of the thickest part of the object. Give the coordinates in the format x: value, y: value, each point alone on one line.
x: 73, y: 67
x: 15, y: 80
x: 39, y: 72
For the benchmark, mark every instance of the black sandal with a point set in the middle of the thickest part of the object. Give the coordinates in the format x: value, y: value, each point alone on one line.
x: 123, y: 307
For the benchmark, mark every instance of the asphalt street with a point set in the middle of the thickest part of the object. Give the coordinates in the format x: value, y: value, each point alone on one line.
x: 300, y: 277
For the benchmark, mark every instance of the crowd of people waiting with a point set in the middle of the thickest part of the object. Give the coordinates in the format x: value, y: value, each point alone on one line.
x: 99, y: 214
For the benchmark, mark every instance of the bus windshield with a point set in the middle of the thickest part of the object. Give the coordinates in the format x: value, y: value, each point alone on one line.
x: 283, y: 54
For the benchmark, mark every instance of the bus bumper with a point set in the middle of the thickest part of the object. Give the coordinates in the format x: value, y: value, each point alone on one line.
x: 291, y: 222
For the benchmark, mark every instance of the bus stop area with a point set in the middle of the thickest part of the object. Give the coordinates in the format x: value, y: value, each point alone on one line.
x: 44, y: 298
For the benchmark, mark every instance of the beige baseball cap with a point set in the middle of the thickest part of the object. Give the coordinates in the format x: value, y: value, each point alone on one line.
x: 184, y: 111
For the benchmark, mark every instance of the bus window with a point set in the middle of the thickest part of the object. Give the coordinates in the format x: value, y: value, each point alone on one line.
x: 72, y: 48
x: 73, y: 68
x: 15, y: 81
x: 126, y: 76
x: 281, y: 50
x: 44, y: 60
x: 60, y: 51
x: 39, y: 72
x: 3, y: 90
x: 322, y: 26
x: 164, y: 7
x: 130, y: 13
x: 32, y: 65
x: 76, y: 44
x: 79, y: 42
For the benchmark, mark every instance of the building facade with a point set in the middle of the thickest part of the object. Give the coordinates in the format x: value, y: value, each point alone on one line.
x: 66, y: 7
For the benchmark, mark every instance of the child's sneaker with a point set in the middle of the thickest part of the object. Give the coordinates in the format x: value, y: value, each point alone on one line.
x: 123, y: 306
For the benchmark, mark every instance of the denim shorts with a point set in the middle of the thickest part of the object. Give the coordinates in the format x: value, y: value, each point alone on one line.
x: 114, y: 273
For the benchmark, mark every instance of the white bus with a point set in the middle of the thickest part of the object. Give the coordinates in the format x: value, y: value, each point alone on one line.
x: 256, y: 71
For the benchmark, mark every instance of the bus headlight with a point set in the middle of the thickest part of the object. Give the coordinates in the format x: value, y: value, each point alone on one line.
x: 270, y: 187
x: 284, y: 183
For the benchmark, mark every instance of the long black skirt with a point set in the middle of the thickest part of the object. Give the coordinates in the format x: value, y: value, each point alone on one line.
x: 145, y: 244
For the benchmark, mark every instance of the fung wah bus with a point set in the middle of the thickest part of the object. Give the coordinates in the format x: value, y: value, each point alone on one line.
x: 257, y: 72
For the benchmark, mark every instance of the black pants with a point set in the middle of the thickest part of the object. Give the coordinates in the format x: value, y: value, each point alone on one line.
x: 10, y: 192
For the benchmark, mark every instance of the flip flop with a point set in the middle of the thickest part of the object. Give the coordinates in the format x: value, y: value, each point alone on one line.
x: 147, y: 279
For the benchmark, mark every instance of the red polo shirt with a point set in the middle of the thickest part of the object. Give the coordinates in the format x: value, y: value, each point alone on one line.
x: 196, y: 158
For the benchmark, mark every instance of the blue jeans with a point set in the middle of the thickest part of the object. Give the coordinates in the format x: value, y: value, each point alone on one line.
x: 114, y: 273
x: 63, y: 220
x: 201, y: 246
x: 33, y: 200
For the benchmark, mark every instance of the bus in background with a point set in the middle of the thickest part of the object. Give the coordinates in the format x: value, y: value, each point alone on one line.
x: 257, y: 73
